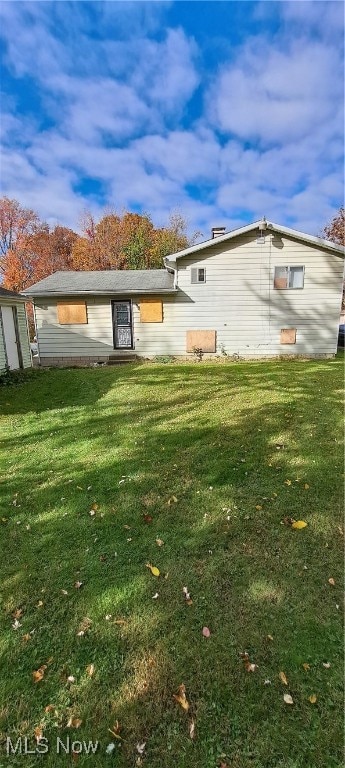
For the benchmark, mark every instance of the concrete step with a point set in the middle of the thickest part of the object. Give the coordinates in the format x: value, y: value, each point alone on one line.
x: 119, y: 359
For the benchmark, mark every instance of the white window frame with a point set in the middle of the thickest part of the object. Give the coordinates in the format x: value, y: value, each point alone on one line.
x: 288, y: 267
x: 195, y: 273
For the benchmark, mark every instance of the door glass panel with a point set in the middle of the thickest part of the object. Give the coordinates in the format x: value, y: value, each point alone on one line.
x: 122, y: 314
x: 124, y: 337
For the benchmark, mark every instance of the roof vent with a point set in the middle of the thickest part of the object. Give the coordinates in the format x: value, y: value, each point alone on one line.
x: 218, y: 231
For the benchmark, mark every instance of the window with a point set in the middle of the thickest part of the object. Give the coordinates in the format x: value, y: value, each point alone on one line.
x: 288, y: 277
x: 198, y: 275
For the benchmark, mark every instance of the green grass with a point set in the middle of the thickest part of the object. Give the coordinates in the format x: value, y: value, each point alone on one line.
x: 223, y: 439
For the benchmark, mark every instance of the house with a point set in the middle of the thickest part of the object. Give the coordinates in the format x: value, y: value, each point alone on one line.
x: 14, y: 337
x: 258, y: 291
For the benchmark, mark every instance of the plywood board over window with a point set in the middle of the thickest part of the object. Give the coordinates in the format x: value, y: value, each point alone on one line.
x: 151, y: 311
x: 288, y: 336
x: 204, y: 340
x: 71, y: 312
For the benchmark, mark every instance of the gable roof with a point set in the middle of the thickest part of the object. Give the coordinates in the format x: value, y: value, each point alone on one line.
x: 105, y: 282
x: 270, y: 227
x: 6, y: 294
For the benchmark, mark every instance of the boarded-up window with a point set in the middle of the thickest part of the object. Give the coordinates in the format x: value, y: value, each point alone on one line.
x: 204, y: 340
x: 281, y: 276
x: 71, y: 313
x: 151, y: 311
x: 288, y: 336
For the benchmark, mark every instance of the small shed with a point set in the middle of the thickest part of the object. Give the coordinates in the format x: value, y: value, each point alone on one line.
x: 15, y: 350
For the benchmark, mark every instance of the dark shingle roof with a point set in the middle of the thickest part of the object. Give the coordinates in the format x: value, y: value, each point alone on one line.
x: 105, y: 282
x: 10, y: 294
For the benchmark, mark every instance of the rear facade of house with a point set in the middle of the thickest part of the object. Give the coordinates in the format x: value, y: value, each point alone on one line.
x: 259, y: 291
x: 14, y: 338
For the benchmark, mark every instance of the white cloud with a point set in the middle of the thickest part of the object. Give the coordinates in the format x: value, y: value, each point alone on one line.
x: 277, y: 95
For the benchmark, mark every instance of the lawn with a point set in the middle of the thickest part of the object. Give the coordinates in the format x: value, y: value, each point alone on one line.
x: 214, y: 460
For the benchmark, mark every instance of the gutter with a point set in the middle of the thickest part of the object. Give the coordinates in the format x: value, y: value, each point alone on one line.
x: 61, y: 295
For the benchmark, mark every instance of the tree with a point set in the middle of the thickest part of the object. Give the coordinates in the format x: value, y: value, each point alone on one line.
x: 335, y: 230
x: 16, y: 223
x: 37, y: 255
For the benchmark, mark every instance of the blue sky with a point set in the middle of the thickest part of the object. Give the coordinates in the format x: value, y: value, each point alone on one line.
x: 225, y: 111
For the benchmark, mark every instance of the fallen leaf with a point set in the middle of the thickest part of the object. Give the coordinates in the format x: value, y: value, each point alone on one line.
x: 50, y: 709
x: 155, y: 571
x: 159, y: 542
x: 147, y: 518
x: 288, y: 521
x: 267, y: 682
x: 140, y: 747
x: 84, y: 626
x: 180, y: 697
x: 331, y: 582
x: 78, y: 584
x: 283, y: 678
x: 155, y: 596
x: 287, y: 482
x: 288, y: 699
x: 172, y: 499
x: 26, y: 637
x: 38, y: 674
x: 64, y: 592
x: 17, y: 613
x: 269, y: 637
x: 313, y: 698
x: 39, y: 604
x: 258, y: 507
x: 110, y: 748
x: 306, y: 486
x: 90, y: 669
x: 38, y: 732
x: 299, y: 524
x: 119, y: 621
x: 206, y: 632
x: 326, y: 664
x: 71, y: 679
x: 74, y: 722
x: 16, y: 624
x: 192, y: 729
x: 94, y: 506
x: 248, y: 665
x: 306, y: 666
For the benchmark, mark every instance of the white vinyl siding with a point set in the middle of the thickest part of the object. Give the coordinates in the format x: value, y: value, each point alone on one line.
x: 23, y: 336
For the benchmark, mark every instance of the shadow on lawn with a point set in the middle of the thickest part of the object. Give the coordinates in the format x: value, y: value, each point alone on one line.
x: 248, y: 570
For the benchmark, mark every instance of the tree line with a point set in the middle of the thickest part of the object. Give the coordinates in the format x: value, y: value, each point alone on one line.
x: 30, y: 249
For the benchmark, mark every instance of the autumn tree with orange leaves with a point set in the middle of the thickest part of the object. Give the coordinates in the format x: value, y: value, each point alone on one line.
x: 335, y: 230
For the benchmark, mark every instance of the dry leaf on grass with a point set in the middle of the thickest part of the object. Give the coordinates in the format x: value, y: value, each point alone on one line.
x: 84, y: 626
x: 115, y: 730
x: 74, y: 722
x: 172, y: 500
x: 288, y: 699
x: 159, y: 542
x: 287, y: 482
x: 331, y: 582
x: 283, y: 678
x: 306, y: 666
x: 155, y: 571
x: 90, y: 669
x: 38, y: 733
x: 248, y: 665
x: 192, y: 729
x: 313, y: 698
x: 181, y: 698
x: 38, y: 674
x: 78, y: 584
x: 140, y: 747
x: 147, y: 518
x: 326, y: 664
x: 270, y: 637
x: 299, y: 524
x: 206, y: 632
x: 187, y: 596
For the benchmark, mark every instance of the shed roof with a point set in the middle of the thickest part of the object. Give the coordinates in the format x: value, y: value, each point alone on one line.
x: 6, y: 294
x: 338, y: 250
x: 106, y: 282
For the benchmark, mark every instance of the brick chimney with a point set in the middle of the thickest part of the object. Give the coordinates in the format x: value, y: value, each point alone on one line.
x: 218, y: 231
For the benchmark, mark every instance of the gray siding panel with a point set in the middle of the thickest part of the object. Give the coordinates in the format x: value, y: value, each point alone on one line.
x: 2, y: 348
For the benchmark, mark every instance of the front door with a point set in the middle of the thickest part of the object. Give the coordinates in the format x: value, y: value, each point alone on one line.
x: 10, y: 337
x: 122, y: 325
